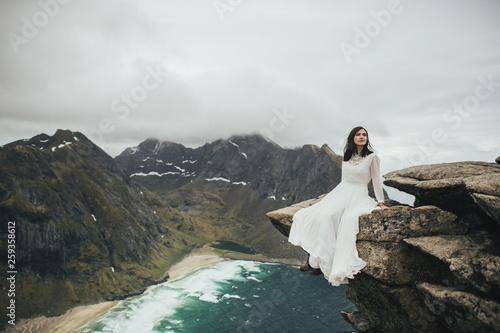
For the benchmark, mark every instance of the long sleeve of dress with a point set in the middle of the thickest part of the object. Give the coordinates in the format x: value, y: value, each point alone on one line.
x: 377, y: 182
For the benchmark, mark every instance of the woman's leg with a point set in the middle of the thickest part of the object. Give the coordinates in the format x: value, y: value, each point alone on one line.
x: 306, y: 267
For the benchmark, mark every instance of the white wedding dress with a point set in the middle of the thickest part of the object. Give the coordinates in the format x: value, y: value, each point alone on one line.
x: 327, y: 230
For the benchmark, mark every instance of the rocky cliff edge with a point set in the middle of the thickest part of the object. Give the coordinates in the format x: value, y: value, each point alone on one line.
x: 434, y: 267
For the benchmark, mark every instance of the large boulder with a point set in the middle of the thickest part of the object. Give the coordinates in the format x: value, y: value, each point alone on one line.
x: 387, y: 262
x: 381, y: 234
x: 460, y: 311
x: 474, y: 260
x: 282, y: 219
x: 401, y: 222
x: 390, y: 308
x: 461, y: 187
x: 359, y: 321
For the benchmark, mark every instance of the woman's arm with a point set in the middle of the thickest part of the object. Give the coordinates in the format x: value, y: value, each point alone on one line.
x: 377, y: 183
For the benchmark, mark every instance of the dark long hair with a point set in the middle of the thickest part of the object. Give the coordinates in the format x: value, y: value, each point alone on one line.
x: 351, y: 148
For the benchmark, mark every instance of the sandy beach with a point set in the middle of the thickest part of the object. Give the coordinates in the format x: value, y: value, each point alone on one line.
x: 192, y: 262
x: 81, y: 315
x: 68, y: 322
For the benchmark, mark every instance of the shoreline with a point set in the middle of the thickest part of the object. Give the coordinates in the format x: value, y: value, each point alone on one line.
x: 79, y: 316
x: 69, y: 321
x: 196, y: 258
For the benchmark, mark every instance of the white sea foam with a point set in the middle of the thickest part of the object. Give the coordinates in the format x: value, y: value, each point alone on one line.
x: 253, y: 278
x: 210, y: 298
x: 226, y: 296
x: 140, y: 314
x: 149, y: 311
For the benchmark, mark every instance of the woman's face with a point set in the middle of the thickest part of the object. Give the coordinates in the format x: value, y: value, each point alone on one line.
x: 360, y: 138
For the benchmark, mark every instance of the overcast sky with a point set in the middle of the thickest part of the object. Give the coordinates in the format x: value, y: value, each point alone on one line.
x: 423, y: 77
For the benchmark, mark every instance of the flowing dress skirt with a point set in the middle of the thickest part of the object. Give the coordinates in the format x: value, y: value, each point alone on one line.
x: 327, y: 231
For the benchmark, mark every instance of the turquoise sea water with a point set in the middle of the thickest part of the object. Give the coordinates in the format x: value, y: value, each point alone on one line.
x: 232, y: 296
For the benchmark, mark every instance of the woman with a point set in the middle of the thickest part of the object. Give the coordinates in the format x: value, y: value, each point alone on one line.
x: 327, y: 230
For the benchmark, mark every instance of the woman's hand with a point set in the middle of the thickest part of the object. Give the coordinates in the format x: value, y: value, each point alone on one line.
x: 383, y: 206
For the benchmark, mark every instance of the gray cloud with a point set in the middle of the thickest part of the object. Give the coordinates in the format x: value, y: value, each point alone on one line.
x: 215, y: 78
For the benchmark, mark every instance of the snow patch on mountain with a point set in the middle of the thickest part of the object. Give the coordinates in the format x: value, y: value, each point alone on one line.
x: 217, y: 178
x: 64, y: 143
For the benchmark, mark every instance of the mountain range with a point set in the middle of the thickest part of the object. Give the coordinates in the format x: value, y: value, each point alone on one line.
x: 224, y: 188
x: 84, y: 230
x: 253, y: 161
x: 92, y: 228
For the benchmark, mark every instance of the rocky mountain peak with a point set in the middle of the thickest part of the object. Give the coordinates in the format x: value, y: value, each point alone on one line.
x: 65, y: 135
x: 241, y: 159
x: 328, y: 150
x: 46, y: 142
x: 252, y: 139
x: 82, y: 225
